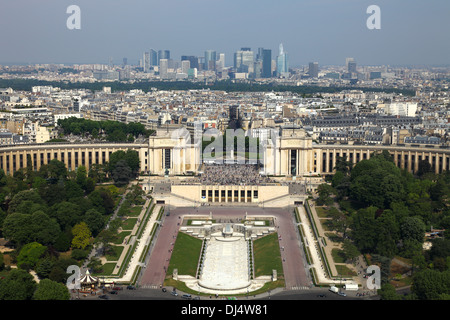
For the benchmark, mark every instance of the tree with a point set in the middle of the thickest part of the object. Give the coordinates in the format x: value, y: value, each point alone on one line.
x: 102, y: 201
x: 343, y: 166
x: 81, y: 176
x: 73, y: 190
x: 364, y: 229
x: 59, y: 269
x: 424, y: 167
x: 51, y: 290
x: 350, y: 250
x: 94, y: 220
x: 43, y: 267
x: 122, y: 173
x: 388, y: 234
x: 325, y: 191
x: 2, y: 262
x: 26, y: 195
x: 81, y: 235
x: 97, y: 172
x: 17, y: 229
x: 45, y: 229
x: 63, y: 242
x: 387, y: 292
x: 67, y: 214
x: 17, y: 285
x: 413, y: 228
x: 105, y: 237
x: 131, y: 158
x: 429, y: 284
x: 377, y: 182
x: 30, y: 254
x: 54, y: 170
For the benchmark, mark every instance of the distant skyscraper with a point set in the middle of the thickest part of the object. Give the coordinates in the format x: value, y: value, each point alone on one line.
x: 163, y: 68
x: 192, y: 59
x: 221, y: 62
x: 244, y: 60
x: 185, y: 66
x: 210, y: 60
x: 313, y: 71
x: 124, y: 62
x: 153, y: 57
x: 163, y: 55
x: 146, y: 61
x: 350, y: 64
x: 266, y: 63
x: 282, y: 63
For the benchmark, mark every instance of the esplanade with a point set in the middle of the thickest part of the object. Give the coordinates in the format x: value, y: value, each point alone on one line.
x: 291, y: 153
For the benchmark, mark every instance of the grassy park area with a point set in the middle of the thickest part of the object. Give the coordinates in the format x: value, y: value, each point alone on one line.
x: 267, y: 255
x: 185, y: 256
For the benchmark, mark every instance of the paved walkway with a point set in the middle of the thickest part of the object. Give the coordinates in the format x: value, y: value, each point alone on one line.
x: 132, y: 238
x: 145, y: 240
x: 314, y: 249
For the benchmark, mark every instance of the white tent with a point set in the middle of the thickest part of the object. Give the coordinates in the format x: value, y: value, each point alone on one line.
x: 351, y: 286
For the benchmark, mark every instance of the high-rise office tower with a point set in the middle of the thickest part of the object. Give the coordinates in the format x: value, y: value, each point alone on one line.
x: 282, y: 63
x: 257, y: 68
x: 192, y: 59
x: 244, y: 60
x: 124, y: 62
x: 146, y: 61
x: 220, y: 65
x: 185, y: 66
x: 313, y: 70
x: 153, y: 58
x: 210, y: 60
x: 163, y: 55
x: 350, y: 64
x: 163, y: 68
x: 352, y: 67
x: 259, y: 54
x: 266, y: 63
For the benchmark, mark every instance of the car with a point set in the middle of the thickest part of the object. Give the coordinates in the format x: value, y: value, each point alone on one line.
x: 342, y: 294
x: 104, y: 296
x: 174, y: 293
x: 196, y: 298
x: 186, y: 296
x: 164, y: 290
x: 131, y: 288
x: 117, y: 288
x: 113, y: 292
x: 322, y: 295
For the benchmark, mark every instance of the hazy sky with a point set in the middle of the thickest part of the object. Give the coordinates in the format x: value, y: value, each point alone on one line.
x: 326, y: 31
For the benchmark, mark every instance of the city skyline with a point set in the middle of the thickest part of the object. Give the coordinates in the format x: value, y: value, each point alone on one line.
x: 412, y: 33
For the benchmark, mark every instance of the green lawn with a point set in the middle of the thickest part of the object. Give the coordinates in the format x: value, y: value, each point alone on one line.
x: 116, y: 252
x: 267, y: 255
x: 121, y: 236
x: 185, y: 255
x: 108, y: 268
x: 322, y: 212
x: 134, y: 211
x: 129, y: 224
x: 338, y: 256
x: 344, y: 270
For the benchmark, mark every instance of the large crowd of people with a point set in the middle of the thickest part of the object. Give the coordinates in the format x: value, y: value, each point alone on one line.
x: 232, y: 174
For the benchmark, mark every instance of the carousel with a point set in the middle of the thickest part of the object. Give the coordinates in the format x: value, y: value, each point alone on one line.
x: 88, y: 283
